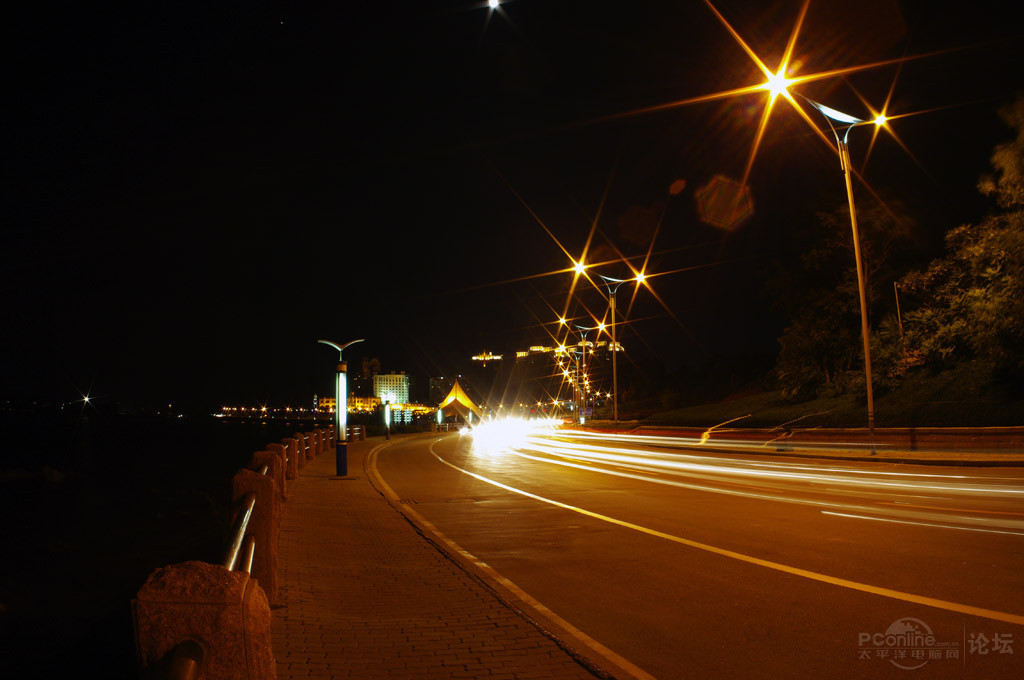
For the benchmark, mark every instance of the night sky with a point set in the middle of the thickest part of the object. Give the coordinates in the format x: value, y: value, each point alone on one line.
x: 197, y: 192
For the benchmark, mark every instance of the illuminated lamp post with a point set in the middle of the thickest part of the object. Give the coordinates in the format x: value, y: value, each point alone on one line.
x: 612, y: 290
x: 844, y: 160
x: 387, y: 415
x: 341, y: 410
x: 583, y: 330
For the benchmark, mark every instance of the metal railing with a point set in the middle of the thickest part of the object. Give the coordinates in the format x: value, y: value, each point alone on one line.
x: 190, y: 657
x: 240, y: 543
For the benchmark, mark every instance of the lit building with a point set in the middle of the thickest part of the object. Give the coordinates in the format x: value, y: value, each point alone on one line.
x: 486, y: 356
x: 363, y: 404
x: 391, y: 387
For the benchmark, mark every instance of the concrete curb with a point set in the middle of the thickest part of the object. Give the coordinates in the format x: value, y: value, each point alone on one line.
x: 597, y: 659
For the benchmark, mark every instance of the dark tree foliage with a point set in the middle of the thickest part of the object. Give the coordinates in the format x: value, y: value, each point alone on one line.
x: 969, y: 304
x: 821, y: 349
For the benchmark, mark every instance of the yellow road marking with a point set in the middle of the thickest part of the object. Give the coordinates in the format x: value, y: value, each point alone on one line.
x: 785, y: 568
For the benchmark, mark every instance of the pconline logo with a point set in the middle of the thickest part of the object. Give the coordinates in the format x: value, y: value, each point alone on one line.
x: 907, y: 643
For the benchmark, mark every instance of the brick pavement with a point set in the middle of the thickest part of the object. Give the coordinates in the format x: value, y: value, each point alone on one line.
x: 364, y: 595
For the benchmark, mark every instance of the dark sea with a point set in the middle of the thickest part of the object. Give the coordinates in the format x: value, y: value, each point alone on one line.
x: 91, y: 504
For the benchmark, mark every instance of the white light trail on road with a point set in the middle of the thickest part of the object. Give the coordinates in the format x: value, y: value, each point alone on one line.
x: 878, y: 492
x: 733, y: 467
x: 786, y: 497
x: 923, y: 524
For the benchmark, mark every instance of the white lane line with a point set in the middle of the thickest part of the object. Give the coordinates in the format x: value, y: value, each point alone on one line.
x: 785, y: 568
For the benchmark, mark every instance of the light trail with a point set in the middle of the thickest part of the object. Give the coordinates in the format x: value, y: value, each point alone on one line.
x: 923, y: 524
x: 947, y: 605
x: 780, y: 496
x: 876, y: 492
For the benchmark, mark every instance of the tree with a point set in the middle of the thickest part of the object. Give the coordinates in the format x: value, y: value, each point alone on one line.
x: 970, y: 303
x: 821, y: 349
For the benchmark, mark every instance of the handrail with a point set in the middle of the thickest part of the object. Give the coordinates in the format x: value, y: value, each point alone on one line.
x: 249, y: 552
x: 231, y: 557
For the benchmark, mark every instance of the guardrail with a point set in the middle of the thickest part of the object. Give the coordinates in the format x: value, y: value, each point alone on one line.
x: 202, y: 621
x: 239, y: 535
x: 912, y: 438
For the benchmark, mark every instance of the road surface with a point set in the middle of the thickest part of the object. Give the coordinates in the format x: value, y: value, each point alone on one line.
x: 695, y: 563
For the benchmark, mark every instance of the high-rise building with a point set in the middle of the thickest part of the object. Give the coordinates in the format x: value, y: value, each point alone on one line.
x: 392, y: 387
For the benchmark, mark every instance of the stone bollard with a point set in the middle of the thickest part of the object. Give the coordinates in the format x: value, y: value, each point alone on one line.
x: 310, y: 446
x: 303, y: 448
x: 264, y: 524
x: 275, y: 469
x: 281, y: 451
x: 291, y: 445
x: 225, y: 612
x: 331, y: 440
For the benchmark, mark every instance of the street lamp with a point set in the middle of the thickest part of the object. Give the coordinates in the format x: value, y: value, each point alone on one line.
x: 613, y: 288
x: 831, y: 115
x: 581, y: 401
x: 341, y: 410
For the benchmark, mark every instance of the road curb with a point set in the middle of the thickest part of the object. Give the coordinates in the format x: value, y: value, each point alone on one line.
x: 598, y: 660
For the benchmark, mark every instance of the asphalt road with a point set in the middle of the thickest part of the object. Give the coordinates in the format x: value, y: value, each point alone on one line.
x: 705, y: 564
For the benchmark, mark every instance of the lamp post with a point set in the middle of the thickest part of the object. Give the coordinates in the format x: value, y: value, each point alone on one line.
x: 386, y: 399
x: 612, y: 290
x: 844, y: 160
x: 341, y: 409
x: 583, y: 330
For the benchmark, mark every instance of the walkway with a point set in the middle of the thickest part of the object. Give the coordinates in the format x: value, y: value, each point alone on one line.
x: 364, y: 595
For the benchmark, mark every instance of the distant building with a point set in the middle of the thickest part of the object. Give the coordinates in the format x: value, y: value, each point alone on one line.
x: 485, y: 357
x: 391, y: 387
x: 363, y: 404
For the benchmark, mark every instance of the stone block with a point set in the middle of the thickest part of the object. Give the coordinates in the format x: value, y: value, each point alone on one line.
x: 275, y: 468
x: 281, y: 451
x: 303, y: 448
x: 225, y: 612
x: 291, y: 447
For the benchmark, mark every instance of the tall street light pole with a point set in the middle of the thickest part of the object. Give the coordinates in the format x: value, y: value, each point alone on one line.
x: 583, y: 330
x: 844, y: 159
x: 341, y: 409
x: 612, y: 290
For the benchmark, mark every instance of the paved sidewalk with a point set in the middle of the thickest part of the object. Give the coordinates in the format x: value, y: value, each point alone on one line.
x: 364, y: 595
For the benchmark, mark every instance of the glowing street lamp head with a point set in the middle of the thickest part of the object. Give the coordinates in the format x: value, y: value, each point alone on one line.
x: 579, y: 267
x: 640, y: 278
x: 493, y: 4
x: 880, y: 120
x: 777, y: 83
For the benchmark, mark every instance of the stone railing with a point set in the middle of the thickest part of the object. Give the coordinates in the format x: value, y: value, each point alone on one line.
x: 212, y: 621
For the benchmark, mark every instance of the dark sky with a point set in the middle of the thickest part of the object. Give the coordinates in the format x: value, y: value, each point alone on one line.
x: 197, y: 192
